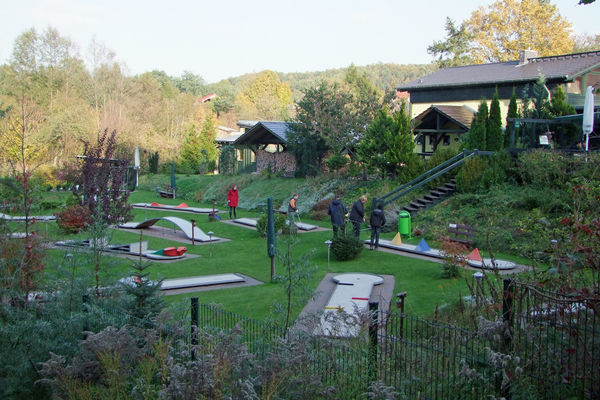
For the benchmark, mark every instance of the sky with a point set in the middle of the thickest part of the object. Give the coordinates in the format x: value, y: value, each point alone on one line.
x: 221, y: 39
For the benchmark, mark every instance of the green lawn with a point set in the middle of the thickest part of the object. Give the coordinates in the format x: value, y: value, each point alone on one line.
x: 246, y: 253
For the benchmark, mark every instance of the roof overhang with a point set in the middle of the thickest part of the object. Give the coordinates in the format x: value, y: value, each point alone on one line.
x: 259, y: 134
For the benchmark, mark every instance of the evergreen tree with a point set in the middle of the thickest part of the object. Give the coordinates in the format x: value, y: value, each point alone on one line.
x: 494, y: 137
x: 388, y: 143
x: 475, y: 139
x: 513, y: 112
x: 190, y: 156
x: 144, y: 302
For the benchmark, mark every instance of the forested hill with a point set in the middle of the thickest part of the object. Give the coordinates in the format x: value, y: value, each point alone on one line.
x: 385, y: 76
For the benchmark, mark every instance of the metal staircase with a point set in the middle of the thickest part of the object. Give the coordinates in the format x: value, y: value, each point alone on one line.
x: 435, y: 195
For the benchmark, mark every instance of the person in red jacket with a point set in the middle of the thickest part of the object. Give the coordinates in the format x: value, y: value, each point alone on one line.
x: 232, y: 200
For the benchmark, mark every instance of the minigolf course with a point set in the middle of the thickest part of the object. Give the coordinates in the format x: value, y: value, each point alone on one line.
x: 473, y: 259
x: 350, y: 299
x: 180, y: 207
x: 185, y: 226
x: 252, y: 222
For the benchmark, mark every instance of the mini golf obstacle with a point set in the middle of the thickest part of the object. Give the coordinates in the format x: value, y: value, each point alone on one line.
x: 201, y: 281
x: 350, y: 299
x: 21, y: 218
x: 181, y: 207
x: 473, y: 259
x: 253, y: 222
x: 132, y: 249
x: 185, y: 226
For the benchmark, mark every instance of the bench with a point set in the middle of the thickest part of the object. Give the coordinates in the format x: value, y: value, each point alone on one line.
x: 461, y: 233
x: 166, y: 192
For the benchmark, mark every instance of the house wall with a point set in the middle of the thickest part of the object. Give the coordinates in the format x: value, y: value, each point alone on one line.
x: 282, y: 161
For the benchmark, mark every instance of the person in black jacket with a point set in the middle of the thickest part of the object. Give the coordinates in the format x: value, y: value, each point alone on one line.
x: 337, y: 210
x: 357, y: 214
x: 377, y: 220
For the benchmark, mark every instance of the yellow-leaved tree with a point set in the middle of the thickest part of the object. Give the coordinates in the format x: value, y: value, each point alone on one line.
x: 265, y: 97
x: 500, y: 31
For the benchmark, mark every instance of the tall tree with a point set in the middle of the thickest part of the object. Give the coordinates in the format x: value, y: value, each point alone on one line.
x: 453, y: 51
x: 506, y: 27
x: 388, y: 143
x: 513, y: 112
x: 265, y: 97
x: 494, y: 135
x: 475, y: 139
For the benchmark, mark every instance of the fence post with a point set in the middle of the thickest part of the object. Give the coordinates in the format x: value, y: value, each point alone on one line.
x: 373, y: 326
x: 194, y: 326
x: 508, y: 294
x: 86, y: 327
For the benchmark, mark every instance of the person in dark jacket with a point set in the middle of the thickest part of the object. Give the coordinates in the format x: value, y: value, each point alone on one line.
x: 337, y: 210
x: 357, y: 214
x: 377, y: 220
x: 232, y: 200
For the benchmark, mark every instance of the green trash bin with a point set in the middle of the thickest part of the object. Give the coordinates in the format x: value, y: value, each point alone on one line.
x: 404, y: 223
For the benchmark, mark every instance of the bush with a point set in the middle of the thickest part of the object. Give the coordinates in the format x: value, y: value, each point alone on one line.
x: 319, y: 210
x: 454, y: 258
x: 73, y: 218
x: 261, y: 224
x: 346, y: 247
x: 543, y: 169
x: 468, y: 179
x: 336, y: 162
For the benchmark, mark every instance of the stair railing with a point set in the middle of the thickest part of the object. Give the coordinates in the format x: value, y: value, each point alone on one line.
x: 428, y: 176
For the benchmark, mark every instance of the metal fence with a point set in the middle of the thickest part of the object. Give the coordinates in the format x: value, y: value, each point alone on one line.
x: 541, y: 345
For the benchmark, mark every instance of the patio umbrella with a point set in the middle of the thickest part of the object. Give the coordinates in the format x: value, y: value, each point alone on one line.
x: 136, y: 164
x: 588, y: 115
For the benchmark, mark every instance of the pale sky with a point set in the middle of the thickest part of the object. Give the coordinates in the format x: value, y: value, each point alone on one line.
x: 221, y: 39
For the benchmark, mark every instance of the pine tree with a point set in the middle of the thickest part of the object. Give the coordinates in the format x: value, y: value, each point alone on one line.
x: 494, y: 136
x: 513, y: 112
x: 144, y: 303
x: 476, y: 137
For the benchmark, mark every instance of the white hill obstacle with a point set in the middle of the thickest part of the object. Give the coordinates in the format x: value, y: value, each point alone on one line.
x: 21, y: 218
x: 347, y: 305
x: 184, y: 225
x: 252, y: 222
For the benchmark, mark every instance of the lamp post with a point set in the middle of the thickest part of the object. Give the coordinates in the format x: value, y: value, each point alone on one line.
x: 479, y: 287
x: 328, y: 243
x: 210, y: 234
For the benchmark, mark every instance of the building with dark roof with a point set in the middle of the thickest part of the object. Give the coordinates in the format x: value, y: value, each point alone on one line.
x: 268, y: 141
x: 465, y: 86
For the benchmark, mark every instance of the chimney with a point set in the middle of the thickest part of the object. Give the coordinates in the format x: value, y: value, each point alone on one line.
x: 525, y: 55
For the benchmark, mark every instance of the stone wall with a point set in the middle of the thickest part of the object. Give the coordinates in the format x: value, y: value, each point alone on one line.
x: 284, y: 162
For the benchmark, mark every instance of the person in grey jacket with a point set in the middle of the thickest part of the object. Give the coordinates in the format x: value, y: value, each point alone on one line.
x: 357, y: 214
x: 377, y: 220
x: 337, y: 210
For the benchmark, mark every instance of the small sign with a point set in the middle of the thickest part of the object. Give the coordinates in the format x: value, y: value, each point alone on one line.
x: 544, y: 140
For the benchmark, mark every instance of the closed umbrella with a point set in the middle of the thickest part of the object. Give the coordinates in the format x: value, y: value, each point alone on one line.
x: 588, y: 115
x: 136, y: 164
x: 271, y: 236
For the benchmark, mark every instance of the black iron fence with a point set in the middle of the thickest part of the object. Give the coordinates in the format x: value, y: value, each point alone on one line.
x: 541, y: 345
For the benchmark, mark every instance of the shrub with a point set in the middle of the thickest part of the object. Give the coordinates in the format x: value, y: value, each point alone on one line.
x: 454, y: 258
x: 153, y: 163
x: 319, y: 210
x: 261, y: 224
x: 543, y: 169
x: 468, y: 179
x: 346, y: 247
x: 336, y: 162
x: 73, y: 218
